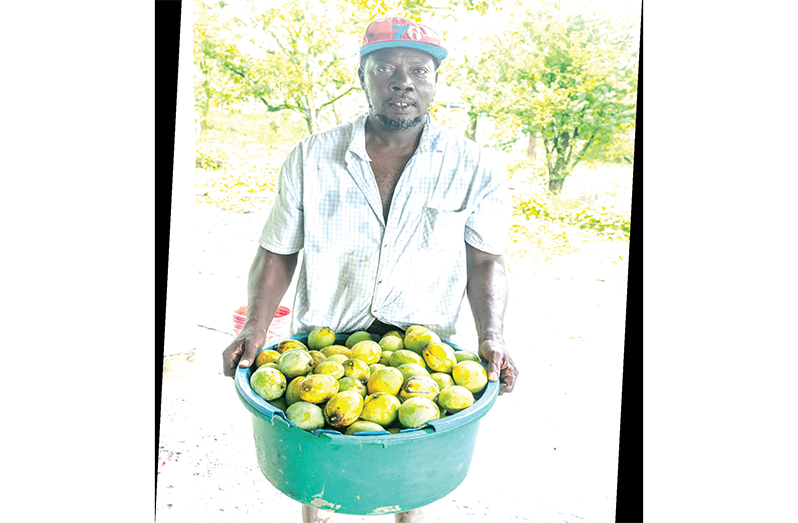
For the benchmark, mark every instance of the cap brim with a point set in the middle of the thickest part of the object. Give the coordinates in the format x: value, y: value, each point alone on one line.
x: 438, y: 52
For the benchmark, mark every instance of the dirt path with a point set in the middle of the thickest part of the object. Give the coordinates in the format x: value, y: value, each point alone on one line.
x: 545, y: 453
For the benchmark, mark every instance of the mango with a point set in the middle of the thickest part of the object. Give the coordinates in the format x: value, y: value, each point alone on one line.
x: 418, y: 412
x: 455, y: 399
x: 266, y: 356
x: 356, y: 337
x: 409, y: 370
x: 374, y: 367
x: 400, y: 357
x: 419, y: 386
x: 465, y: 355
x: 387, y: 379
x: 350, y: 383
x: 320, y: 337
x: 343, y: 409
x: 329, y: 350
x: 364, y: 426
x: 318, y: 388
x: 295, y: 362
x: 366, y: 350
x: 442, y: 379
x: 289, y: 344
x: 381, y: 408
x: 417, y: 339
x: 391, y: 343
x: 333, y: 368
x: 356, y: 368
x: 439, y: 357
x: 279, y: 403
x: 385, y: 357
x: 412, y: 328
x: 317, y: 356
x: 268, y: 383
x: 306, y: 416
x: 340, y: 358
x: 471, y: 375
x: 292, y: 391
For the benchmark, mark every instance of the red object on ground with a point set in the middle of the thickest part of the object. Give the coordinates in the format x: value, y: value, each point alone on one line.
x: 279, y: 327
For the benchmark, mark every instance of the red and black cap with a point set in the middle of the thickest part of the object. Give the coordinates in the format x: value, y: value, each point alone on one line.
x: 399, y: 31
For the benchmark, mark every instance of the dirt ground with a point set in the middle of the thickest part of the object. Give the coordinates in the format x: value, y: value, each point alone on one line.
x: 545, y: 453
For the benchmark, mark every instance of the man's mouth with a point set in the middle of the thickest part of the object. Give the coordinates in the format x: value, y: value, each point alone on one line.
x: 401, y: 105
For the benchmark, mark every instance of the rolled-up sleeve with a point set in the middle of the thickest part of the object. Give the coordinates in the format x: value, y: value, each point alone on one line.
x: 283, y: 232
x: 487, y: 227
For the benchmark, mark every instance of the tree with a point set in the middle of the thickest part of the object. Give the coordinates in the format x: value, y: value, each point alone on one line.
x: 572, y: 78
x: 211, y: 83
x: 293, y: 55
x: 298, y: 55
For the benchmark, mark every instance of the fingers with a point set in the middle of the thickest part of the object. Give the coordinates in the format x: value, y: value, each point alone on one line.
x: 231, y: 356
x: 495, y: 366
x: 251, y: 348
x: 509, y: 374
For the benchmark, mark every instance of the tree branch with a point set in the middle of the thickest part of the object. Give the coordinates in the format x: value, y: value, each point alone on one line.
x: 581, y: 153
x: 272, y: 108
x: 325, y: 104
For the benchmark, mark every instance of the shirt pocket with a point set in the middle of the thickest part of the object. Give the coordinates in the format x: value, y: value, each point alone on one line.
x: 441, y: 230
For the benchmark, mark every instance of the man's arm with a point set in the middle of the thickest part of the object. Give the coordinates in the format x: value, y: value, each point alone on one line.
x: 269, y: 278
x: 487, y: 295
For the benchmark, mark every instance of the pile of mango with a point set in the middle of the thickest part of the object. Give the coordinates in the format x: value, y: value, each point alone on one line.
x: 403, y: 381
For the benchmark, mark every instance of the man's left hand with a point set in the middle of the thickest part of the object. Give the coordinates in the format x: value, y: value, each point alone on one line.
x: 500, y: 365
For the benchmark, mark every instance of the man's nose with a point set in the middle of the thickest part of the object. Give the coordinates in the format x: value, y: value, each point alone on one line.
x: 402, y: 82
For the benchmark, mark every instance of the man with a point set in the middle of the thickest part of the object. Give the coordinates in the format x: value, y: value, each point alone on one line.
x: 399, y: 219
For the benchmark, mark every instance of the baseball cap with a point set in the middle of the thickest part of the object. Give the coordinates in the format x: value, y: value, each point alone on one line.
x: 399, y: 31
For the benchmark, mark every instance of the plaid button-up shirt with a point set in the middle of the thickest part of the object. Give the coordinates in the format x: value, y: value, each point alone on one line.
x: 356, y: 267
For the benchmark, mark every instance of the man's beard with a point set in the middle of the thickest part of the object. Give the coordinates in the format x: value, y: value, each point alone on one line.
x: 395, y: 124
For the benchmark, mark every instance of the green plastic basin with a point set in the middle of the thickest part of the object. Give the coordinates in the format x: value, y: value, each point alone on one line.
x: 368, y: 473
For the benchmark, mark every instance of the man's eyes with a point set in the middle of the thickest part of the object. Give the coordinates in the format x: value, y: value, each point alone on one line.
x: 384, y: 69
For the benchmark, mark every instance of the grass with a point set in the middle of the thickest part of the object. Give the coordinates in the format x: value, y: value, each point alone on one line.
x: 239, y: 158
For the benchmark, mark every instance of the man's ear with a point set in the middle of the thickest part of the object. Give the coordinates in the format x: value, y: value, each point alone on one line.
x: 361, y: 76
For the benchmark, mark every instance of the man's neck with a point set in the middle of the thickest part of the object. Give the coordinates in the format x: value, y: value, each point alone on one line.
x: 379, y: 135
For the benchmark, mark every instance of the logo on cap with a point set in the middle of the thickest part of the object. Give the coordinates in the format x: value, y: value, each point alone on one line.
x: 402, y: 32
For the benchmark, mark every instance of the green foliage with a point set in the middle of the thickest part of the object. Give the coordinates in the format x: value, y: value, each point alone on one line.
x: 584, y: 215
x: 249, y: 158
x: 421, y: 10
x: 569, y: 76
x: 296, y: 55
x: 545, y: 226
x: 213, y: 86
x: 293, y: 55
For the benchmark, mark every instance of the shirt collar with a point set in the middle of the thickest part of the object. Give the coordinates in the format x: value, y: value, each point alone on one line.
x: 431, y: 137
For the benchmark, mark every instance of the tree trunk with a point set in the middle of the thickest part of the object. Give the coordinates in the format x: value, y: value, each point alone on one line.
x: 204, y: 109
x: 308, y: 114
x: 531, y: 151
x: 335, y: 115
x: 555, y: 185
x: 471, y: 130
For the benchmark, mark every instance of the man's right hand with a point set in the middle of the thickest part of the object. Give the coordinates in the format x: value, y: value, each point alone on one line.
x: 241, y: 353
x: 269, y: 277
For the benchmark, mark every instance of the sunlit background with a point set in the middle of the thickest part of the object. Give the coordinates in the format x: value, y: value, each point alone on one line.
x: 549, y: 86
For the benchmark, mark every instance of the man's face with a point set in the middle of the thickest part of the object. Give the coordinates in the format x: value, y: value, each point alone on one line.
x: 399, y: 84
